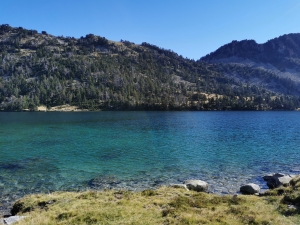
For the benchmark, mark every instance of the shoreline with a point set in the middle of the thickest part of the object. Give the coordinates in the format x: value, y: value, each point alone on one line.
x: 7, y: 206
x: 176, y: 204
x: 74, y: 108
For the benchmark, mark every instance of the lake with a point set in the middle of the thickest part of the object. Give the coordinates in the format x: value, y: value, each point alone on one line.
x: 46, y: 152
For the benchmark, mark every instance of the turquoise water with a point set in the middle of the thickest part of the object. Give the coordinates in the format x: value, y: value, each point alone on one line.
x: 44, y: 152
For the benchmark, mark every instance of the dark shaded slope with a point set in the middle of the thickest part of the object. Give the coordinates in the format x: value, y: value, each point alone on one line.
x: 282, y: 52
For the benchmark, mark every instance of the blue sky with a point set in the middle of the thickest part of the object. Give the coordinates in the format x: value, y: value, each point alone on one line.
x: 192, y: 28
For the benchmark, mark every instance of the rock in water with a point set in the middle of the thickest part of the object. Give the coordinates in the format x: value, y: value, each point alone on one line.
x: 196, y: 185
x: 271, y: 176
x: 277, y: 180
x: 250, y: 189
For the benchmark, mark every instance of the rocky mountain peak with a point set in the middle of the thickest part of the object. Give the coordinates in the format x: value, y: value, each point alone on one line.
x: 284, y: 46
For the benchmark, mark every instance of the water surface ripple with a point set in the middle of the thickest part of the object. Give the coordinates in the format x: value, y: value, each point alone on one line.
x: 45, y: 152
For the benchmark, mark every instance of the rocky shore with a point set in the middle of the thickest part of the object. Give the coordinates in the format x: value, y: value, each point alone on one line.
x: 273, y: 181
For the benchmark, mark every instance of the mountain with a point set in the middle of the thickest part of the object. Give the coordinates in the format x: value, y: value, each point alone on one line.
x: 94, y: 73
x: 280, y: 56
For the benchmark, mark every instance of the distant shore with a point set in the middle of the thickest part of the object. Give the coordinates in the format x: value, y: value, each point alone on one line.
x: 72, y: 108
x: 75, y: 108
x: 61, y: 108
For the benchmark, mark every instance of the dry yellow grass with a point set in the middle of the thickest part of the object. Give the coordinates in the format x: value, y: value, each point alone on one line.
x: 163, y: 206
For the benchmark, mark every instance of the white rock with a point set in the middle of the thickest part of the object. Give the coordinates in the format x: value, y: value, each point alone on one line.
x: 13, y: 219
x: 250, y: 188
x: 196, y: 185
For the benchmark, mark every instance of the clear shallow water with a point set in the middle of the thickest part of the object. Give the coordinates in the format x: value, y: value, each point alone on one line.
x: 41, y: 152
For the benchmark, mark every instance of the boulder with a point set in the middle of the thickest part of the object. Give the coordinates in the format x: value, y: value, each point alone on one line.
x: 196, y: 185
x: 250, y: 189
x: 271, y: 176
x: 13, y: 219
x: 277, y: 180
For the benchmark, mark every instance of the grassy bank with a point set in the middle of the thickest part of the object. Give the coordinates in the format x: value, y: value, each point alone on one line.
x: 163, y: 206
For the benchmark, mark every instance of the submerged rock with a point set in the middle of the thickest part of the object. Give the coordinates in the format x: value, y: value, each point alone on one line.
x: 278, y: 179
x: 103, y: 182
x: 196, y: 185
x: 11, y: 166
x: 158, y: 182
x: 250, y: 189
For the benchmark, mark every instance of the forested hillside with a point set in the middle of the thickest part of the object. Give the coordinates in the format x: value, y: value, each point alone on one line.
x: 97, y: 74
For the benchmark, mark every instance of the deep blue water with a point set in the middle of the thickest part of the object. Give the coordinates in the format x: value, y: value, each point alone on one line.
x: 42, y: 152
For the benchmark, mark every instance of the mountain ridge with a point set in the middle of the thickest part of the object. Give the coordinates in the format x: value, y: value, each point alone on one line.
x: 94, y: 73
x: 286, y: 45
x: 280, y: 55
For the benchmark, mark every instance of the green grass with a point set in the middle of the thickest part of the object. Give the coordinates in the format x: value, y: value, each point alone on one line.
x: 290, y: 196
x: 162, y: 206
